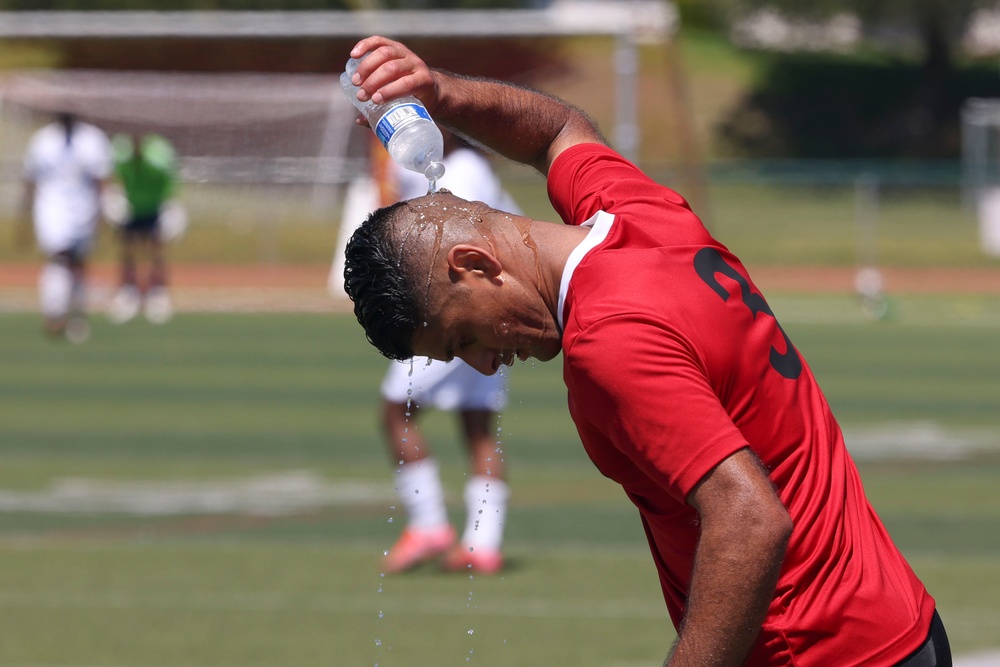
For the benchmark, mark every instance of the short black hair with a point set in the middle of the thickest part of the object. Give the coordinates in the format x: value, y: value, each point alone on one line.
x: 381, y: 284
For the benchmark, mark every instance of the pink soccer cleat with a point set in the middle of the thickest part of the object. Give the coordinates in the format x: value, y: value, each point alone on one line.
x: 415, y: 547
x: 463, y: 558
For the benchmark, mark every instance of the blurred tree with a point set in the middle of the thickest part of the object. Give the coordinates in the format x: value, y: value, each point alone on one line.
x: 926, y: 85
x: 180, y: 5
x: 937, y: 24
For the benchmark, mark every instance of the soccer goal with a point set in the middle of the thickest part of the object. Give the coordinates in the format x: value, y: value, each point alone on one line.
x: 981, y: 168
x: 257, y: 151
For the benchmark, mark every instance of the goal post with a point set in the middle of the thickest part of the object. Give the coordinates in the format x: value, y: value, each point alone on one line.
x: 981, y: 168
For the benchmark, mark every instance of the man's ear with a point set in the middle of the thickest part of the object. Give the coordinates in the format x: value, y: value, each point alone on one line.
x: 467, y: 258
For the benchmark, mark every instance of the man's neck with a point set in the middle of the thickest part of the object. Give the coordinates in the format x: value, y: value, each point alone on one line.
x: 554, y: 242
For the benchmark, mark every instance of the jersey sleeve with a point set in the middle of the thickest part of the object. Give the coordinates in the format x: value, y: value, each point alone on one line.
x: 588, y: 178
x: 648, y: 395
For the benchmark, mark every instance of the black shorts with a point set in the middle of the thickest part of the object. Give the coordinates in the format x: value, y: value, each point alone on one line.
x: 143, y: 224
x: 935, y: 652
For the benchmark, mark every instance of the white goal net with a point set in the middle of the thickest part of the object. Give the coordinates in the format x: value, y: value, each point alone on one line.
x: 256, y: 151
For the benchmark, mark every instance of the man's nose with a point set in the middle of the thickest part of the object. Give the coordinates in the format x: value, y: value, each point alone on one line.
x: 482, y: 360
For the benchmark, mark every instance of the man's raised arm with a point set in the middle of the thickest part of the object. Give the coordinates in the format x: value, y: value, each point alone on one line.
x: 521, y: 124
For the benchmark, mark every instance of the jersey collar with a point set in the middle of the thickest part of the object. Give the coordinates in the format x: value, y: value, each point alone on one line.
x: 600, y: 224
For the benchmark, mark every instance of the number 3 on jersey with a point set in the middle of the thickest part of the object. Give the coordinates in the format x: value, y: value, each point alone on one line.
x: 709, y: 263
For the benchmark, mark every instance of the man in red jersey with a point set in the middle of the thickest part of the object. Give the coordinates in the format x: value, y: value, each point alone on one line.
x: 683, y: 386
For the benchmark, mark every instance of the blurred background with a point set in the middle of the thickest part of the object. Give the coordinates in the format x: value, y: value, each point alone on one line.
x: 214, y: 491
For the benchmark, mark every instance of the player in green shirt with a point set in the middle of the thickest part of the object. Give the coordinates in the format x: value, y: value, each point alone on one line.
x: 146, y: 170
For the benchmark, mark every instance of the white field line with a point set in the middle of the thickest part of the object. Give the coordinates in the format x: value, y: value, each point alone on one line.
x: 268, y: 495
x: 979, y: 659
x: 918, y: 440
x: 292, y: 492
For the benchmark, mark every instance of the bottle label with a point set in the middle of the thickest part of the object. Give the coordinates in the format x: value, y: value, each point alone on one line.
x: 397, y: 118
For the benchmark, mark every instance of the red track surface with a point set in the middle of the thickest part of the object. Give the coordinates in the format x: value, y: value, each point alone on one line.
x: 303, y: 288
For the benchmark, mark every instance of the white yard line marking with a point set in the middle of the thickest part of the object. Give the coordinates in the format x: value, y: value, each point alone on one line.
x: 268, y: 495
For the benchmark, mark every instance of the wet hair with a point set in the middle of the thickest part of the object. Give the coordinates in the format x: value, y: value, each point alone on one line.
x: 381, y: 284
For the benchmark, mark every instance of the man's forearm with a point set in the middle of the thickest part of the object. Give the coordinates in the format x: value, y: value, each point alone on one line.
x: 730, y: 595
x: 744, y: 533
x: 521, y: 124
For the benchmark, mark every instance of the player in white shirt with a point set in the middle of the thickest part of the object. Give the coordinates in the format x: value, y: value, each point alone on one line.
x: 65, y: 168
x: 452, y: 386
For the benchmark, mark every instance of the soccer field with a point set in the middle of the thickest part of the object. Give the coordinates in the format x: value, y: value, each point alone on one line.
x: 214, y: 493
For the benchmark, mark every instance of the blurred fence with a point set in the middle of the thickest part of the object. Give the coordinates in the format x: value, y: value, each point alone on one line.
x: 839, y: 213
x: 836, y: 213
x: 813, y: 213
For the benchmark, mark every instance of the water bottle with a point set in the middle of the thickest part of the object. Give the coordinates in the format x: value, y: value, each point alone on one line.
x: 404, y: 127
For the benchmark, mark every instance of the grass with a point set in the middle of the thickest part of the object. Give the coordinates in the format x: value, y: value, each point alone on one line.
x: 218, y: 399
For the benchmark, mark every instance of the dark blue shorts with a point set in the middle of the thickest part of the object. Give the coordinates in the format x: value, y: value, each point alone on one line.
x: 143, y: 224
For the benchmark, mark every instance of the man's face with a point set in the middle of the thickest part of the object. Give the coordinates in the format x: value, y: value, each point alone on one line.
x: 476, y: 309
x: 486, y: 336
x: 487, y: 322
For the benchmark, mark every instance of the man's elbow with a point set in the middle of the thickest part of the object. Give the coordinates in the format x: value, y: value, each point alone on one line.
x: 775, y: 529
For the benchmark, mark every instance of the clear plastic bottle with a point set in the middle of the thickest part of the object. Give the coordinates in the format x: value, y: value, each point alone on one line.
x: 404, y: 127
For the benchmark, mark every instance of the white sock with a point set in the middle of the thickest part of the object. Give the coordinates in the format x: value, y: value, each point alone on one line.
x: 55, y: 289
x: 486, y: 512
x: 418, y: 485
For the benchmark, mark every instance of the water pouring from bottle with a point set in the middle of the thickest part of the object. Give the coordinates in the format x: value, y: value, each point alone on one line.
x: 404, y: 128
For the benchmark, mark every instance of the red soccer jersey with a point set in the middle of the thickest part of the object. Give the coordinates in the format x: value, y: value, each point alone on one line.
x: 674, y: 361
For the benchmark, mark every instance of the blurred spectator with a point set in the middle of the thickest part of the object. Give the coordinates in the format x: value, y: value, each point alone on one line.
x: 65, y: 168
x: 146, y: 170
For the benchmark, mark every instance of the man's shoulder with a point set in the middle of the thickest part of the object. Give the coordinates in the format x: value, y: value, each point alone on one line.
x: 48, y: 135
x: 92, y: 133
x: 588, y: 169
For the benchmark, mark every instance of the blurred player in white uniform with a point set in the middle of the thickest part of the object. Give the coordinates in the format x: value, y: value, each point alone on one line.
x: 452, y: 386
x: 65, y: 168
